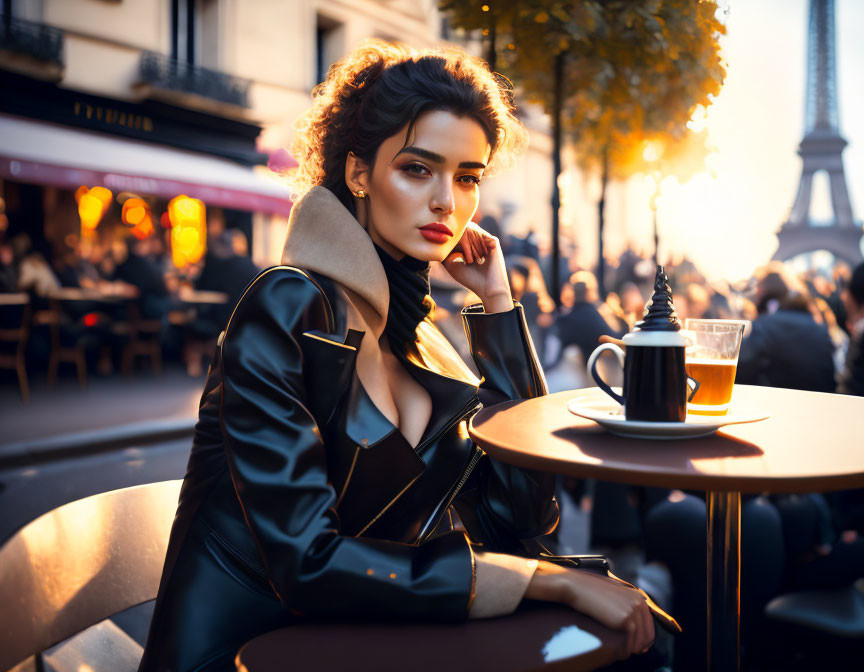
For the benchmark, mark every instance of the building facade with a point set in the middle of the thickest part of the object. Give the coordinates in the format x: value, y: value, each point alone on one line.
x: 161, y: 97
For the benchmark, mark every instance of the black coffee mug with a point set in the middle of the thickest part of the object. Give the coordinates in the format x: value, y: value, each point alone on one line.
x: 656, y: 385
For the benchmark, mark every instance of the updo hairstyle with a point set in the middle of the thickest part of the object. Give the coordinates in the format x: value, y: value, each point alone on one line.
x: 376, y: 90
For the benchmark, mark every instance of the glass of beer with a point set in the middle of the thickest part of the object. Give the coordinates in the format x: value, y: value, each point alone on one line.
x: 711, y: 358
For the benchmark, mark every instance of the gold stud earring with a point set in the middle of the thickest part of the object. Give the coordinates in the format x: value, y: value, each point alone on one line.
x: 360, y: 193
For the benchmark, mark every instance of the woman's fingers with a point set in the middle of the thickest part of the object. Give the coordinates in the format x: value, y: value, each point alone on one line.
x: 477, y: 246
x: 645, y: 628
x: 649, y: 626
x: 632, y: 635
x: 456, y: 257
x: 466, y: 248
x: 638, y: 627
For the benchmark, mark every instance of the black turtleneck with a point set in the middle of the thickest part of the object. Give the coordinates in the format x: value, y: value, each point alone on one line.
x: 410, y: 302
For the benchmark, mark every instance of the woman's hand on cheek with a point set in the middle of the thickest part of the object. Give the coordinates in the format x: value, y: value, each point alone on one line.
x: 477, y: 263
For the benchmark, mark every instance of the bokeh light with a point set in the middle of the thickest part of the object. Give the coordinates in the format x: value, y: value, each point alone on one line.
x: 136, y: 214
x: 92, y: 204
x: 188, y: 230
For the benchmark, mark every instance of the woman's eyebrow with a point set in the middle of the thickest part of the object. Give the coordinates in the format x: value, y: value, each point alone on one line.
x: 437, y: 158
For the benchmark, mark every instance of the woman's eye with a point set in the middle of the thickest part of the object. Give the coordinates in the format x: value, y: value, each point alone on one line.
x: 415, y: 169
x: 469, y: 179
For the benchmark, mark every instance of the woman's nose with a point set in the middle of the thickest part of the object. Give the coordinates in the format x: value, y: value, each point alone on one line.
x: 442, y: 200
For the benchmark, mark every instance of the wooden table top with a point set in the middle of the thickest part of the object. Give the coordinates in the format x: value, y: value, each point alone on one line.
x: 14, y: 299
x: 812, y: 442
x: 534, y: 638
x: 86, y: 294
x: 201, y: 296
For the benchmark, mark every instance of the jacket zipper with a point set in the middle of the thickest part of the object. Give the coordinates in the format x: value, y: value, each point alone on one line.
x: 466, y: 473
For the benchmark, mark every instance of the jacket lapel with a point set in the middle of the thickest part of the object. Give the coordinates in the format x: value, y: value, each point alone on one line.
x: 330, y: 367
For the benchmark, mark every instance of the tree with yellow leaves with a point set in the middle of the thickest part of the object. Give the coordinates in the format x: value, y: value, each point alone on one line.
x: 613, y: 74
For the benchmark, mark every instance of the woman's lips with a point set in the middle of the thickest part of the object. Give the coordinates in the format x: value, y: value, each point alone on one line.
x: 434, y: 236
x: 436, y: 233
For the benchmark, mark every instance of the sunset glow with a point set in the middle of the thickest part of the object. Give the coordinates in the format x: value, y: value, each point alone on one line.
x: 726, y: 217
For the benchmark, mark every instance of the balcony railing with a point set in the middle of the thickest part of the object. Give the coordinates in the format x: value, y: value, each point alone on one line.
x: 36, y: 40
x: 162, y: 72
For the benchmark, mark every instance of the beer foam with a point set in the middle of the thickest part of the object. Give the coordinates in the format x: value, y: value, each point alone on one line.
x: 702, y: 361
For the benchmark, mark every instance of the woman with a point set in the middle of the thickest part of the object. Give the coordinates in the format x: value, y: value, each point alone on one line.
x: 331, y: 460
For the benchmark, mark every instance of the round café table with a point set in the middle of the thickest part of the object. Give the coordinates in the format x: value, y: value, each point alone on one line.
x: 537, y: 637
x: 811, y: 443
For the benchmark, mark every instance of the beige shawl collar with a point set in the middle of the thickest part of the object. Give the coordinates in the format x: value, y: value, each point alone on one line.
x: 323, y: 236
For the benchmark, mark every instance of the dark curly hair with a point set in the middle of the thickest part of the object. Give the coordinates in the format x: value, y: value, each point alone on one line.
x: 375, y: 91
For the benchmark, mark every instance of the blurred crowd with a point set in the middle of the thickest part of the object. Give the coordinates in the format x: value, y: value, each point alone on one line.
x: 114, y: 298
x: 805, y: 332
x: 110, y: 297
x: 805, y: 329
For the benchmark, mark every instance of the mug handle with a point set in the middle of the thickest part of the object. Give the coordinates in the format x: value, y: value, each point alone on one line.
x: 592, y: 369
x: 694, y: 388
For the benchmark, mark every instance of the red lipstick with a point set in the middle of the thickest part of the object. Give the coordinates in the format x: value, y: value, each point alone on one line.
x: 436, y: 232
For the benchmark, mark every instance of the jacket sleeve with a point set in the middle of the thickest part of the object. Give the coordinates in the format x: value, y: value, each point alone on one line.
x: 503, y: 506
x: 277, y: 462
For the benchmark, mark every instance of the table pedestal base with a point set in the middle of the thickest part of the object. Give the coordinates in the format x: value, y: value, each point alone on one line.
x: 724, y: 581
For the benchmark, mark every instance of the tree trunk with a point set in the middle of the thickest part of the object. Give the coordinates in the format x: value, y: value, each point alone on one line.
x: 601, y: 207
x: 492, y: 53
x: 7, y: 17
x: 558, y: 104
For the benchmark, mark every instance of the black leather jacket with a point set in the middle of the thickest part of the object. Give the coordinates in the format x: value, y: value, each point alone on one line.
x: 302, y: 500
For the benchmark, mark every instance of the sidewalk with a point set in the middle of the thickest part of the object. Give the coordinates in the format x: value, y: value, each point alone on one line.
x: 108, y: 412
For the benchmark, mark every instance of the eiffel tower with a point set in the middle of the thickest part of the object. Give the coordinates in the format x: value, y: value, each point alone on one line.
x: 821, y: 150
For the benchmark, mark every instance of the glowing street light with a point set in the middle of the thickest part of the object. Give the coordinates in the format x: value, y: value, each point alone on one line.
x: 92, y: 204
x: 136, y: 213
x: 188, y: 230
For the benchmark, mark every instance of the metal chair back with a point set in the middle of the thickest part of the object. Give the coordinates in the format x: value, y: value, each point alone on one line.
x: 80, y: 564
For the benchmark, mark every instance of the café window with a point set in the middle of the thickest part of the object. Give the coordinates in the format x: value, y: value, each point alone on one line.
x: 195, y: 32
x: 329, y: 45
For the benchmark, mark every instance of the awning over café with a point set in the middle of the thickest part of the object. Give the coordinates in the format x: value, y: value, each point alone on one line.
x: 50, y: 154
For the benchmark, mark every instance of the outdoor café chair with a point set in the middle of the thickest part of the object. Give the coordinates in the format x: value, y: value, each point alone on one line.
x: 145, y: 340
x: 826, y: 623
x: 66, y: 343
x: 80, y: 564
x: 65, y: 573
x: 14, y: 333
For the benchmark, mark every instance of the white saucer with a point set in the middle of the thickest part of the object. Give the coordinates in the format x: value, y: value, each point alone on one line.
x: 610, y: 415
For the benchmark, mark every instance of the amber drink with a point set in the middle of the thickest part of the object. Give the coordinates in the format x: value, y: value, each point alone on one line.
x: 712, y: 360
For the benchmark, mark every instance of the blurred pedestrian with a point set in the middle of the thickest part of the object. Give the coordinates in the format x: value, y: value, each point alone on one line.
x: 138, y: 269
x: 8, y: 269
x: 583, y: 325
x: 786, y: 347
x: 237, y: 269
x: 852, y: 377
x: 34, y: 273
x: 632, y: 302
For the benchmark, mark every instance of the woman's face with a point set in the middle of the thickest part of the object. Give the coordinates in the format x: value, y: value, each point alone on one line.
x: 422, y: 193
